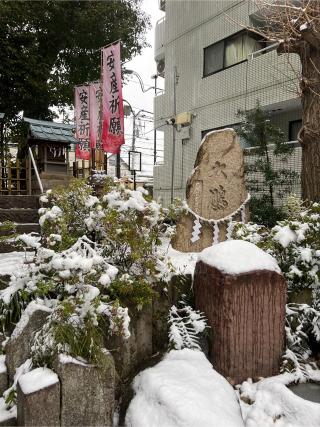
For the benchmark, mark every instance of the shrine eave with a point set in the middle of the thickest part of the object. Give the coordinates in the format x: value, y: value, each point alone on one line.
x: 50, y: 131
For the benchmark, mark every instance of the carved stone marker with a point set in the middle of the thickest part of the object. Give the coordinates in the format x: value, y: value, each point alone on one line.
x: 215, y: 191
x: 241, y: 291
x: 38, y: 398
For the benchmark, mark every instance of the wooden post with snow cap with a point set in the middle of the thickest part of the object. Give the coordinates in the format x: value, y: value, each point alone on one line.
x: 242, y: 292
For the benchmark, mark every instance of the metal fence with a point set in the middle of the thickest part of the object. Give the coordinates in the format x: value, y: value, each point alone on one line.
x: 290, y: 183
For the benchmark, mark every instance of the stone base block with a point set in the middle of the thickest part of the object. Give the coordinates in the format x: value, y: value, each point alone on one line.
x: 38, y: 398
x: 87, y: 392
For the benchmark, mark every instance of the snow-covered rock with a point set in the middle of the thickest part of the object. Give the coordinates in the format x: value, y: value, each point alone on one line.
x: 183, y: 390
x: 37, y: 379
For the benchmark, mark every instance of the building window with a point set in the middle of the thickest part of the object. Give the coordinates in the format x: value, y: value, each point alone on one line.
x: 229, y: 52
x: 294, y: 127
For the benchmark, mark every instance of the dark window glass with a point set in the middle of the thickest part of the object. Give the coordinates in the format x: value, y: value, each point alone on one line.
x: 294, y: 128
x: 213, y: 58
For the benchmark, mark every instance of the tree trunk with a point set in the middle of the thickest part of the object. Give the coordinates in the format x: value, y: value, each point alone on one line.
x: 310, y: 132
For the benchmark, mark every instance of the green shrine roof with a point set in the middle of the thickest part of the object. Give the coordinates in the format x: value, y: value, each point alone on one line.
x: 51, y: 131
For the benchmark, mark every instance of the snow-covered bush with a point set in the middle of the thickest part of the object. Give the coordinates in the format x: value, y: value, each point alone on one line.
x: 69, y: 213
x: 97, y: 261
x: 295, y: 244
x: 302, y: 337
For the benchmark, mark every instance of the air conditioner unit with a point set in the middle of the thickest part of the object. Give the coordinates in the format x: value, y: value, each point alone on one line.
x: 183, y: 118
x: 160, y: 67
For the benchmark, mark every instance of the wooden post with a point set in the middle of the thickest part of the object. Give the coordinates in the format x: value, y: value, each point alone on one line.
x: 105, y: 163
x: 93, y: 159
x: 18, y: 176
x: 75, y: 169
x: 1, y: 175
x: 246, y: 313
x: 83, y: 169
x: 29, y: 175
x: 9, y: 175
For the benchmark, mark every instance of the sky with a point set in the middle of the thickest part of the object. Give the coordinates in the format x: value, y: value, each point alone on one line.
x: 145, y: 66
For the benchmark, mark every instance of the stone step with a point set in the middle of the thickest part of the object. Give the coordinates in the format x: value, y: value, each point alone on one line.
x: 23, y: 228
x: 26, y: 202
x: 19, y: 215
x: 12, y: 246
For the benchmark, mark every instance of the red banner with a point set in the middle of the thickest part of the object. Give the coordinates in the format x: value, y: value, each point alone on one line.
x: 81, y: 107
x: 112, y: 101
x: 94, y: 114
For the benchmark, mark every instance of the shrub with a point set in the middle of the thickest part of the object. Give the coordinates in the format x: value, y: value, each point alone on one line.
x: 295, y: 245
x: 98, y: 257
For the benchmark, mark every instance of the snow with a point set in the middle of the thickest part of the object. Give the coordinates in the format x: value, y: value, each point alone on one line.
x: 135, y: 201
x: 285, y: 236
x: 3, y: 367
x: 30, y: 241
x: 304, y: 26
x: 13, y: 261
x: 183, y: 390
x: 49, y: 214
x: 214, y: 131
x: 238, y: 256
x: 6, y: 414
x: 182, y: 262
x: 65, y: 359
x: 273, y: 404
x: 37, y: 379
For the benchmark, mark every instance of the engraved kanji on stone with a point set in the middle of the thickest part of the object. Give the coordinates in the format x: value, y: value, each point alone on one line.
x: 218, y: 200
x: 218, y: 169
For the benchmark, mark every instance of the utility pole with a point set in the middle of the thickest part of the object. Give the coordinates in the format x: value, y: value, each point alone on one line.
x: 133, y: 145
x: 155, y: 130
x: 175, y: 81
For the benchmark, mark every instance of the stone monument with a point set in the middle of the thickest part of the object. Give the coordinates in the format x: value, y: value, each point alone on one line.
x: 216, y: 193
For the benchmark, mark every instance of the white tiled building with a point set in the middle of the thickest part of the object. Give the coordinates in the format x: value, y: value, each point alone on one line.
x: 206, y: 42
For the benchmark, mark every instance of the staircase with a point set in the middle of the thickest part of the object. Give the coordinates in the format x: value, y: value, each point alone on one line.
x: 23, y: 211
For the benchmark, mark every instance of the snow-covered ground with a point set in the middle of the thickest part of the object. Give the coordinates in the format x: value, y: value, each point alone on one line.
x: 183, y: 390
x: 13, y: 261
x: 270, y: 403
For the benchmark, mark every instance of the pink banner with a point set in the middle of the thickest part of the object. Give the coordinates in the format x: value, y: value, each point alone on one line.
x: 112, y: 101
x: 94, y: 115
x: 81, y: 107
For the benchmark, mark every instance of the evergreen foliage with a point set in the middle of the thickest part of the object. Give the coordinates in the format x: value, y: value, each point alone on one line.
x: 49, y: 46
x: 185, y: 327
x: 302, y: 338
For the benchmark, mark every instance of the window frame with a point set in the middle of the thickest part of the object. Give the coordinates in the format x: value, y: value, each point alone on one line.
x: 229, y: 38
